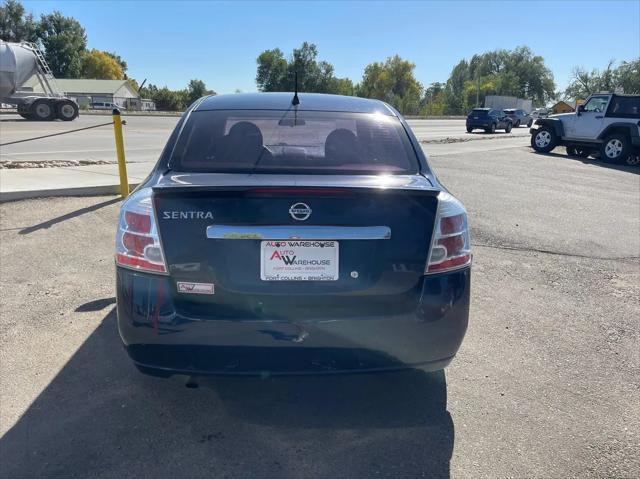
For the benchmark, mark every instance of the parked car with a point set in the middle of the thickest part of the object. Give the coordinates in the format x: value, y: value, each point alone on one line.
x: 539, y: 113
x: 518, y: 117
x: 272, y: 238
x: 606, y: 124
x: 488, y: 120
x: 103, y: 105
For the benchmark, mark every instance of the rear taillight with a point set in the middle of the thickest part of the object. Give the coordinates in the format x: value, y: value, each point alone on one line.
x: 450, y: 245
x: 137, y: 242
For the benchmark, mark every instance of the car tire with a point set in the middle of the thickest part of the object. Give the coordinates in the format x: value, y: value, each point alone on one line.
x: 544, y: 140
x: 66, y: 110
x: 517, y: 125
x: 633, y: 159
x: 507, y: 129
x: 615, y: 149
x: 529, y: 123
x: 42, y: 110
x: 492, y: 128
x: 469, y: 129
x: 156, y: 373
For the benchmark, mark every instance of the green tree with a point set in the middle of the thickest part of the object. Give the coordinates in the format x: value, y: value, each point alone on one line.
x: 393, y: 82
x: 15, y: 24
x: 120, y: 61
x: 169, y: 100
x: 101, y: 65
x: 454, y: 99
x: 626, y: 77
x: 517, y: 73
x: 64, y: 41
x: 197, y: 89
x: 433, y: 101
x: 272, y: 70
x: 275, y: 73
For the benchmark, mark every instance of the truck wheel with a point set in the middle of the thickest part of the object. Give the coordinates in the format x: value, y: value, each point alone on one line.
x: 42, y: 110
x: 544, y: 140
x: 67, y: 110
x: 615, y: 149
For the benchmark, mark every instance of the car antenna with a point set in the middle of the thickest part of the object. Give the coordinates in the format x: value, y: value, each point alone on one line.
x: 295, y: 101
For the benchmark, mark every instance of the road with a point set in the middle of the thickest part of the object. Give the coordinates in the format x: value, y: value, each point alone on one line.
x: 145, y: 137
x: 545, y: 385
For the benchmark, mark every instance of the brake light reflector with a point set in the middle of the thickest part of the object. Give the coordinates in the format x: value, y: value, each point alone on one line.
x: 450, y: 245
x: 137, y: 241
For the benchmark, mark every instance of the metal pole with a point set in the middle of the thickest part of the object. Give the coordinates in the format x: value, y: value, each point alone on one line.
x: 122, y: 164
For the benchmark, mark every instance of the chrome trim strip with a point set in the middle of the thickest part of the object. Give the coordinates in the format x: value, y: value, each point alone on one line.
x: 299, y: 232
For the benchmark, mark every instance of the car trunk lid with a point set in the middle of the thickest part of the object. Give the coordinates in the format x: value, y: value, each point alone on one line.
x: 223, y: 230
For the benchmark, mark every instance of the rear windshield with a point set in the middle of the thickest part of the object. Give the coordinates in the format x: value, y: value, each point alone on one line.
x: 230, y: 141
x: 625, y: 107
x: 510, y: 112
x: 479, y: 112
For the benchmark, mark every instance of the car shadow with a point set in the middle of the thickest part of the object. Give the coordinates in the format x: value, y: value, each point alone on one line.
x: 67, y: 216
x: 96, y: 305
x: 591, y: 161
x: 100, y: 417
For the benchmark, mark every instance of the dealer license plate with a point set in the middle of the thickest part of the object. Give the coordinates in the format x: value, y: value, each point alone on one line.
x: 299, y: 260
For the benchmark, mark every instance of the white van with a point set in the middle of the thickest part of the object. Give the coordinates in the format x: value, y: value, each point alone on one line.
x: 100, y: 105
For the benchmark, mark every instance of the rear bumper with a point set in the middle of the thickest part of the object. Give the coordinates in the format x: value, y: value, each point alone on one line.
x: 156, y: 336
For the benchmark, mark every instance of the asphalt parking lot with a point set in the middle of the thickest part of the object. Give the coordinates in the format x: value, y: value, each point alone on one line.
x: 545, y: 385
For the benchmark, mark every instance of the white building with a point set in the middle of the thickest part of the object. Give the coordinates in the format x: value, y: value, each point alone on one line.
x: 88, y: 92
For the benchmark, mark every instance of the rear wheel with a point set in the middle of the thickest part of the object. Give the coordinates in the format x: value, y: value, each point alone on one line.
x: 491, y: 129
x: 544, y: 140
x: 67, y: 110
x: 42, y: 110
x: 633, y: 159
x: 469, y: 129
x: 507, y: 129
x: 615, y: 149
x: 529, y: 123
x: 517, y: 125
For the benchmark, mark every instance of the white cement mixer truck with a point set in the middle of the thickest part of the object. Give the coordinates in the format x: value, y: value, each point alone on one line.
x: 18, y: 63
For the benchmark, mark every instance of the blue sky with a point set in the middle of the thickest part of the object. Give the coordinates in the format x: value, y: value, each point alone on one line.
x: 171, y: 42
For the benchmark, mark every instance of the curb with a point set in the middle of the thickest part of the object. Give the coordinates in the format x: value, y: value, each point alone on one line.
x: 103, y: 190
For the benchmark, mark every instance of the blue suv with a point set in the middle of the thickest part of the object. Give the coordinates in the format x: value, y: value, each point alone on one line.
x: 488, y: 120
